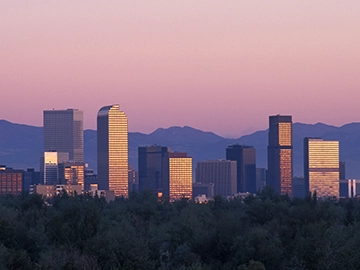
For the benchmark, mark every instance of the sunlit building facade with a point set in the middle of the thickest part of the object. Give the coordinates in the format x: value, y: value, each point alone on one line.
x: 280, y: 169
x: 321, y: 167
x: 177, y: 176
x: 10, y: 181
x: 112, y: 150
x: 222, y: 173
x: 72, y: 173
x: 63, y: 132
x: 180, y: 177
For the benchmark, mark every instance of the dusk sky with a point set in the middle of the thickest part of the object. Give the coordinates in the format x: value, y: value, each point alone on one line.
x: 220, y: 66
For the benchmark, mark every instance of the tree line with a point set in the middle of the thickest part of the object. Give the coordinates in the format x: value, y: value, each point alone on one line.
x: 262, y: 231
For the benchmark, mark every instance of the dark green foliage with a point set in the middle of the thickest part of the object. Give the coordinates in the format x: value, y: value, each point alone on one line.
x: 265, y: 231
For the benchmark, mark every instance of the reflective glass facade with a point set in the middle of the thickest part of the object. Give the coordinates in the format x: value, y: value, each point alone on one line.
x: 280, y: 154
x: 63, y: 132
x: 180, y: 178
x: 321, y: 167
x: 112, y: 150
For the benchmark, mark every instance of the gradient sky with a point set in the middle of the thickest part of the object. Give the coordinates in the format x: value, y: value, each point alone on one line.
x: 221, y: 66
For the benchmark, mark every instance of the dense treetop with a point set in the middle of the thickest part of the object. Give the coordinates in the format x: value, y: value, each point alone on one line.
x: 266, y: 231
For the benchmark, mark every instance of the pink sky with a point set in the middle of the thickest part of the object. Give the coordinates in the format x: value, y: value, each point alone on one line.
x: 221, y: 66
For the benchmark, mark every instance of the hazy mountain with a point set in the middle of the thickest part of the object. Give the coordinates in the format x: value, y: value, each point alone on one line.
x: 20, y: 145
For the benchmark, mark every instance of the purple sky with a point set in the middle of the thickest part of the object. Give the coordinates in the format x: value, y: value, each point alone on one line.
x: 221, y: 66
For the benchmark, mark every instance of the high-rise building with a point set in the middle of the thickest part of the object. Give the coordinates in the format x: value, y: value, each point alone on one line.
x: 280, y: 154
x: 10, y: 181
x: 321, y: 167
x: 177, y: 176
x: 63, y: 132
x: 245, y: 157
x: 112, y: 150
x: 49, y: 161
x: 151, y: 167
x: 222, y: 173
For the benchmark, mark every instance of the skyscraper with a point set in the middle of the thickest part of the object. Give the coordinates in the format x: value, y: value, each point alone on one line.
x: 112, y: 150
x: 280, y: 154
x: 150, y: 167
x: 245, y: 157
x: 177, y: 174
x: 63, y: 132
x: 321, y: 167
x: 222, y: 173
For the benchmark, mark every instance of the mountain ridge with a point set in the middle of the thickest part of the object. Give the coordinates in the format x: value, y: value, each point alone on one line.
x: 21, y: 144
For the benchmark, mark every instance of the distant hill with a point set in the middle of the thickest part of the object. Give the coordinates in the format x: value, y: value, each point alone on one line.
x: 20, y: 145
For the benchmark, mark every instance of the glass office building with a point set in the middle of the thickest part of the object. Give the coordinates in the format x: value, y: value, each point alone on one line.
x: 321, y: 167
x: 63, y: 132
x: 112, y: 150
x: 245, y: 157
x: 280, y: 169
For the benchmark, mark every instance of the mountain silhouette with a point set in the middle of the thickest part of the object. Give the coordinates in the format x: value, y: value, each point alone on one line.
x: 21, y: 145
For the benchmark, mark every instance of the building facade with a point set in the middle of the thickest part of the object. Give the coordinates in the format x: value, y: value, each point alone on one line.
x: 151, y: 159
x: 49, y: 161
x: 245, y: 157
x: 321, y: 167
x: 112, y: 150
x: 72, y: 173
x: 177, y: 174
x: 31, y: 177
x: 11, y: 181
x: 63, y: 132
x: 222, y: 173
x: 280, y: 168
x: 349, y: 188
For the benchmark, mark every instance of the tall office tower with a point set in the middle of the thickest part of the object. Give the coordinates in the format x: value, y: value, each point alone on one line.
x: 63, y: 132
x: 112, y: 150
x: 245, y: 157
x: 10, y: 181
x: 321, y: 167
x: 177, y: 176
x: 280, y: 154
x: 150, y: 167
x: 72, y: 173
x: 222, y: 173
x: 49, y: 162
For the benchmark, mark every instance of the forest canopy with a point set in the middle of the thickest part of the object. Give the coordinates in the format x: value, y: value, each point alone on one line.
x: 262, y: 231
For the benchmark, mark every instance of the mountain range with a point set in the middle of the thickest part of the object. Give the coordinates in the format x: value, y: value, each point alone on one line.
x: 21, y: 145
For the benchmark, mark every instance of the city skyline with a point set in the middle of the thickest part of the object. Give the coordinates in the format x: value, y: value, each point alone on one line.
x: 233, y: 57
